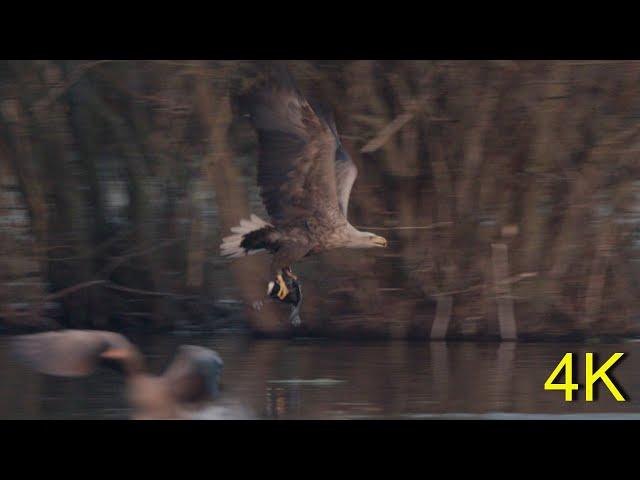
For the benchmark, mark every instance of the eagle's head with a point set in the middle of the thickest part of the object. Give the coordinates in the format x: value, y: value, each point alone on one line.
x: 370, y: 240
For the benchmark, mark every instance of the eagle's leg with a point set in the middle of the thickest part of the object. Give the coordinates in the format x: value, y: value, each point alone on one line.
x: 284, y: 290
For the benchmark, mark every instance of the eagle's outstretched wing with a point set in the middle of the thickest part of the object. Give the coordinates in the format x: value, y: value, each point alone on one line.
x: 296, y: 169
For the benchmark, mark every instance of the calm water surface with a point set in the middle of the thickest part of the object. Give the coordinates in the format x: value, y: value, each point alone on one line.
x: 321, y: 379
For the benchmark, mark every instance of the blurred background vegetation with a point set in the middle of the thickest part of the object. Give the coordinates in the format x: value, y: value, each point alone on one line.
x: 118, y: 180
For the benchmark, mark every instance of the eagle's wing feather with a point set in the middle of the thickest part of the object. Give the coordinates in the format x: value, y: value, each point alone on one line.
x: 296, y: 168
x: 346, y: 173
x: 346, y: 170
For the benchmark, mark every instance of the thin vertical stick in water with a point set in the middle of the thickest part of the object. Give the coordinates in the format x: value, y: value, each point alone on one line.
x: 443, y: 315
x: 506, y: 318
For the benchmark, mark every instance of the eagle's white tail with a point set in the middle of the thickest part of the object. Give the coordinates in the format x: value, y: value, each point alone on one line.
x: 231, y: 245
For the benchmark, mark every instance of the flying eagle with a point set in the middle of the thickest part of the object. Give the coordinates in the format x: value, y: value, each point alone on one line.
x: 305, y: 178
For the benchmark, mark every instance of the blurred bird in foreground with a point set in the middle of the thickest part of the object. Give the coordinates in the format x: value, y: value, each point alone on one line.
x: 305, y: 178
x: 190, y: 381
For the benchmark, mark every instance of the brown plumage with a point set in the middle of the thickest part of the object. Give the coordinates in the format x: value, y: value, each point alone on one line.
x: 305, y: 178
x: 189, y: 381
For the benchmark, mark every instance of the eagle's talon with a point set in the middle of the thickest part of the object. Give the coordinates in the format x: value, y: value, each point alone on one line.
x: 296, y: 321
x: 284, y: 290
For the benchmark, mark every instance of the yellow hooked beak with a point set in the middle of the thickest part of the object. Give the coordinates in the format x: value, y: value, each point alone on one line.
x: 379, y: 241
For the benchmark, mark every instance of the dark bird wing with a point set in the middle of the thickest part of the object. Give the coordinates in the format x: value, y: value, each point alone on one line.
x: 194, y: 374
x: 73, y: 353
x: 296, y: 169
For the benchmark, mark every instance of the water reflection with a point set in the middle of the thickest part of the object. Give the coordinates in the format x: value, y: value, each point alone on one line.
x: 316, y: 379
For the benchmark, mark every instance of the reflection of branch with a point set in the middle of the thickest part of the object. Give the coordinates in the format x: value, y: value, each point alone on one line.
x: 74, y: 288
x: 7, y: 313
x: 396, y: 124
x: 152, y: 293
x: 506, y: 281
x: 73, y: 77
x: 455, y: 292
x: 32, y: 311
x: 117, y: 261
x: 424, y: 227
x: 113, y: 286
x: 93, y: 251
x: 387, y: 132
x: 591, y: 63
